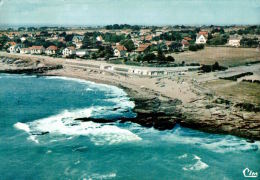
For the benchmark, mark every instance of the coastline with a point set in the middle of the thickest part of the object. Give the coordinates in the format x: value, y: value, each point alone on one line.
x: 157, y: 108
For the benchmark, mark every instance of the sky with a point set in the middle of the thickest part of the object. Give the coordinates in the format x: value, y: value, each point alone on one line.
x: 140, y: 12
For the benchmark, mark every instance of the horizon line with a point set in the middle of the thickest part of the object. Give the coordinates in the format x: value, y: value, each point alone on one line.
x: 104, y: 25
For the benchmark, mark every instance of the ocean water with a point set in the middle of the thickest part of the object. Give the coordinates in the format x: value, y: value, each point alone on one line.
x: 39, y: 138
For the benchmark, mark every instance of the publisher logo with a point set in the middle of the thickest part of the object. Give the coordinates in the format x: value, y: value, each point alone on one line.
x: 249, y: 173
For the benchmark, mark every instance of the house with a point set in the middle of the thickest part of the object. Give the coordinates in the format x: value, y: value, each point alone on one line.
x: 78, y: 44
x: 143, y: 48
x: 158, y: 33
x: 99, y: 38
x: 23, y: 39
x: 148, y: 37
x: 82, y: 52
x: 77, y: 39
x: 168, y: 44
x: 234, y: 41
x: 187, y: 38
x: 15, y: 48
x: 51, y: 50
x: 185, y: 44
x: 69, y: 51
x: 202, y: 37
x: 25, y: 51
x: 37, y: 49
x: 120, y: 51
x: 12, y: 43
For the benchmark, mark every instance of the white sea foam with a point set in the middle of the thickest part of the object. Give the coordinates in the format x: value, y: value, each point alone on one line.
x: 22, y: 126
x: 20, y: 76
x: 89, y: 89
x: 197, y: 166
x: 216, y: 143
x: 111, y: 175
x: 182, y: 156
x: 67, y: 79
x: 64, y: 124
x: 77, y: 162
x: 33, y: 138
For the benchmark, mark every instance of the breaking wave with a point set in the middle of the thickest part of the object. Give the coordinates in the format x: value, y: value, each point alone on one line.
x: 197, y: 165
x: 65, y: 124
x: 212, y: 142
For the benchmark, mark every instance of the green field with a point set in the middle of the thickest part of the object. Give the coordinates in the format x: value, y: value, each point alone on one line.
x: 238, y: 91
x: 226, y: 56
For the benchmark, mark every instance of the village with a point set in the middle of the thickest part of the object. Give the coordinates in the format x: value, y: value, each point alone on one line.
x: 132, y: 45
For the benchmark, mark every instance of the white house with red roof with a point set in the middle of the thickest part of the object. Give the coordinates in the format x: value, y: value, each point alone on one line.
x: 185, y: 44
x: 37, y: 49
x: 69, y: 51
x: 143, y: 48
x: 120, y: 51
x: 202, y: 37
x: 234, y: 41
x: 25, y: 51
x: 15, y: 48
x: 51, y: 50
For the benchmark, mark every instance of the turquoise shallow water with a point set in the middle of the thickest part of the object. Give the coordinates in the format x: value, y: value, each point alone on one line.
x: 39, y: 138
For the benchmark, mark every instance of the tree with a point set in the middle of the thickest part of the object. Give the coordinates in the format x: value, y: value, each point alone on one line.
x: 69, y: 37
x: 113, y: 38
x: 248, y: 42
x: 39, y: 42
x: 193, y: 47
x: 44, y: 33
x: 21, y: 29
x: 10, y: 29
x: 17, y: 40
x: 68, y: 44
x: 47, y: 44
x: 160, y: 56
x: 59, y: 44
x: 27, y: 43
x: 175, y: 46
x: 3, y: 40
x: 129, y: 44
x: 108, y: 52
x: 86, y: 42
x: 31, y: 29
x: 218, y: 40
x: 139, y: 58
x: 63, y: 34
x: 149, y: 57
x: 170, y: 59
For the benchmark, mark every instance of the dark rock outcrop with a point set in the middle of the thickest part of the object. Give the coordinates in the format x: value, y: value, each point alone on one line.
x: 37, y: 70
x: 101, y: 120
x: 161, y: 115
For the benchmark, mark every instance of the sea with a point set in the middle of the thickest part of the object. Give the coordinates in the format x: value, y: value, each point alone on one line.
x: 40, y: 138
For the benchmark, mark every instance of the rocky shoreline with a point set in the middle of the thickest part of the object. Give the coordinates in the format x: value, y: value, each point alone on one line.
x: 210, y: 114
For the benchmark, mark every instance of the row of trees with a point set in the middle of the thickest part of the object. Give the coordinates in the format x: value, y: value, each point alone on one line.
x: 122, y: 26
x: 152, y: 58
x: 220, y: 39
x: 196, y: 47
x: 248, y: 42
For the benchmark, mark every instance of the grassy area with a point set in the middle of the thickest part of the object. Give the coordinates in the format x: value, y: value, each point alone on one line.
x: 242, y: 91
x: 226, y: 56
